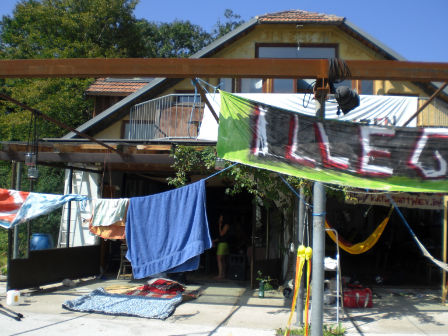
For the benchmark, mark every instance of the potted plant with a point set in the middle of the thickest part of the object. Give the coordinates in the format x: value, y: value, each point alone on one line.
x: 264, y: 283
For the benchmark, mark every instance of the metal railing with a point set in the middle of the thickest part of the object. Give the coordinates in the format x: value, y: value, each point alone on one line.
x: 167, y: 117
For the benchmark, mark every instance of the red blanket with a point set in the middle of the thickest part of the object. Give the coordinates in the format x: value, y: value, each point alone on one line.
x: 159, y: 288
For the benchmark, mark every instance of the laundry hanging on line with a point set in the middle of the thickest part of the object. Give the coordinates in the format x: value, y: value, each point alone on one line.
x: 109, y: 211
x: 167, y: 232
x: 17, y: 207
x: 115, y: 231
x: 109, y: 217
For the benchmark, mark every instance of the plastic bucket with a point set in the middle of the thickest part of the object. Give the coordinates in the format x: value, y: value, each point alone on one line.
x: 13, y: 297
x: 41, y: 241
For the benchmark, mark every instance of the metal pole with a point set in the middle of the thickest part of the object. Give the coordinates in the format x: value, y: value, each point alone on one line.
x: 15, y: 253
x: 317, y: 282
x: 28, y: 225
x: 10, y: 232
x: 300, y: 225
x: 69, y: 208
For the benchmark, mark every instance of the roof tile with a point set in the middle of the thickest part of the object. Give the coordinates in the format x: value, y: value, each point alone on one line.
x: 299, y: 16
x: 104, y: 86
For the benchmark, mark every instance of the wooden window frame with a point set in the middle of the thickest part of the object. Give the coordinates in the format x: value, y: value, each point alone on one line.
x: 268, y: 83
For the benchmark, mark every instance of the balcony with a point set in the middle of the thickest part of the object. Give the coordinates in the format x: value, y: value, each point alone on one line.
x: 175, y: 116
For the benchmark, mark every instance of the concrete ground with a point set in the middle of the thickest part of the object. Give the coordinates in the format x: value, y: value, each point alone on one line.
x: 227, y: 308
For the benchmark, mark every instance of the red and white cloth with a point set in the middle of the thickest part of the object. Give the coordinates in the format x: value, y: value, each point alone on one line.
x: 20, y: 206
x: 162, y: 288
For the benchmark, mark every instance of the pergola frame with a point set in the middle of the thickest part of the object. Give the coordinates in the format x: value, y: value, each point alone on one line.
x: 219, y: 67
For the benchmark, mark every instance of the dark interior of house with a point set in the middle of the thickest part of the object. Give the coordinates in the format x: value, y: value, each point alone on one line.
x: 395, y: 259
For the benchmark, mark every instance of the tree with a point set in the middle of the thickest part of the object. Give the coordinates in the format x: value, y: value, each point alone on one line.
x: 232, y: 21
x: 60, y: 29
x: 76, y: 29
x: 176, y: 39
x: 71, y: 28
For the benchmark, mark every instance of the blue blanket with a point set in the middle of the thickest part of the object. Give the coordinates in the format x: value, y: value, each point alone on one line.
x: 167, y: 232
x: 99, y: 301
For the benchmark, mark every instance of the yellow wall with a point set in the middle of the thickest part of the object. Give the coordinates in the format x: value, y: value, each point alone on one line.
x: 349, y: 49
x: 113, y: 131
x: 435, y: 114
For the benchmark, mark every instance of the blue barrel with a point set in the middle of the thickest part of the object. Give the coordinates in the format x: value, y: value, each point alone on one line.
x: 41, y: 241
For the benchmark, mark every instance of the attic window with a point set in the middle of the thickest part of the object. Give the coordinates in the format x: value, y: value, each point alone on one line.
x: 291, y: 51
x: 311, y: 52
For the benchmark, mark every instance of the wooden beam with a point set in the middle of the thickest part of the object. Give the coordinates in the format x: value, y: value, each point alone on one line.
x: 74, y: 157
x: 219, y: 67
x: 153, y: 147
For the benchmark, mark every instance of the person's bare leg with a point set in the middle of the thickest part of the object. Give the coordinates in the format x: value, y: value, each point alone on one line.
x: 220, y: 267
x: 224, y: 266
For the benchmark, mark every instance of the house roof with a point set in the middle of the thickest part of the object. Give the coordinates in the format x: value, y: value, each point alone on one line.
x: 116, y: 86
x: 295, y: 16
x: 151, y: 89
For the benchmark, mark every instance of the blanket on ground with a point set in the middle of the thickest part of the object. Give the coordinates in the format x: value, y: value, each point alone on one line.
x: 99, y: 301
x: 158, y: 288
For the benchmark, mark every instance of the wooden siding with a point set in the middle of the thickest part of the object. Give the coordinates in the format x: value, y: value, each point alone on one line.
x: 435, y: 114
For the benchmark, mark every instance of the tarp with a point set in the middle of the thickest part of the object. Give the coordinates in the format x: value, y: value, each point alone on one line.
x: 20, y: 206
x: 332, y: 151
x: 372, y: 110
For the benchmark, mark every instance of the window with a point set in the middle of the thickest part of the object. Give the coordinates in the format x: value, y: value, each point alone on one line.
x: 283, y: 85
x: 251, y: 85
x: 366, y: 87
x: 307, y: 51
x: 226, y: 84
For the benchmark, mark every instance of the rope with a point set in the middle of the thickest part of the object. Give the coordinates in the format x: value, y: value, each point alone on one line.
x: 425, y: 252
x: 215, y: 88
x: 308, y: 253
x: 221, y: 171
x: 294, y: 191
x: 193, y: 106
x: 300, y: 261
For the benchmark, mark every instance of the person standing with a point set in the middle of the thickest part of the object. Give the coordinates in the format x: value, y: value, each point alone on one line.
x: 222, y: 250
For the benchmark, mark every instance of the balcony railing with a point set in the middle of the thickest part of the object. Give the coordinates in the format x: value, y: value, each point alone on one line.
x: 168, y: 117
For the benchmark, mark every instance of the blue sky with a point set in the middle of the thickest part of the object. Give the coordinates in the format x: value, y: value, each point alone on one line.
x: 416, y: 30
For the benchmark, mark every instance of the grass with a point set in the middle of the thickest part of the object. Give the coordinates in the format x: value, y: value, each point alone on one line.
x: 326, y: 331
x: 3, y: 264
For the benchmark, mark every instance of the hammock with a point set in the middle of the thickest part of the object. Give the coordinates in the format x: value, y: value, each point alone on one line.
x: 365, y: 245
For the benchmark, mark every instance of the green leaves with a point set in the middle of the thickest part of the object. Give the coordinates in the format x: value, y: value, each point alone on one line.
x: 265, y: 185
x: 190, y: 159
x: 232, y: 21
x: 71, y: 28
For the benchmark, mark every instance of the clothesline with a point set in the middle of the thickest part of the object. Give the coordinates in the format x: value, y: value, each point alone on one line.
x: 17, y: 207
